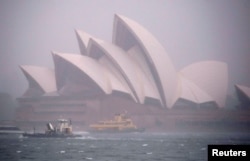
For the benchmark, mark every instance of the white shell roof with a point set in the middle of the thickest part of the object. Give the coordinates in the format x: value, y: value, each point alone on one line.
x: 83, y: 40
x: 211, y: 77
x: 114, y: 82
x: 44, y: 77
x: 146, y: 79
x: 192, y: 92
x: 105, y: 79
x: 88, y: 66
x: 119, y: 59
x: 157, y: 58
x: 244, y: 89
x: 117, y: 81
x: 128, y: 68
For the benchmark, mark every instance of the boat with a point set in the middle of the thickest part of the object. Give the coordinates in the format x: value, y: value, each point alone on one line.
x: 63, y: 130
x: 121, y: 123
x: 10, y: 131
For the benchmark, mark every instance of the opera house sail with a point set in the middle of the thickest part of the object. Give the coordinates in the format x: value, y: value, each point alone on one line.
x: 133, y: 73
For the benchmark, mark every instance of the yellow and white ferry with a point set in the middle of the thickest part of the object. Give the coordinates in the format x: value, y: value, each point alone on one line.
x: 120, y: 123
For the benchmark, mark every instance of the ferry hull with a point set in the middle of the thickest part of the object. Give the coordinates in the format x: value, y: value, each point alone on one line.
x: 140, y: 130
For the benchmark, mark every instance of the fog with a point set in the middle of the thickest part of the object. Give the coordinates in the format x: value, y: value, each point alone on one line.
x: 190, y: 31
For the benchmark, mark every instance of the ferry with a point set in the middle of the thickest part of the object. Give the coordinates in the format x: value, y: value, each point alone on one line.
x: 120, y: 123
x: 63, y: 130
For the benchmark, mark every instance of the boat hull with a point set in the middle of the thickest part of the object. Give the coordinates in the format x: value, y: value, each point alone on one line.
x: 42, y: 135
x: 118, y: 131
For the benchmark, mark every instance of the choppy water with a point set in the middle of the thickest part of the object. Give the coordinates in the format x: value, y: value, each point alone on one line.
x: 122, y: 147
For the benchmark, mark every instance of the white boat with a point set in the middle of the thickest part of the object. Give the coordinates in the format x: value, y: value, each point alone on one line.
x: 10, y: 131
x: 63, y: 130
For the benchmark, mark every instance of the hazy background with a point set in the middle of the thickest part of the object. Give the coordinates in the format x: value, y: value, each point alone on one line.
x: 190, y: 31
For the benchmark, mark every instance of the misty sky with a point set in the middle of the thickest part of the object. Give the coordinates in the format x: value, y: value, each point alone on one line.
x: 190, y: 31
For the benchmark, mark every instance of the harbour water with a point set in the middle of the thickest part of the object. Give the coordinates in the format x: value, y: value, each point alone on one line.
x: 118, y: 147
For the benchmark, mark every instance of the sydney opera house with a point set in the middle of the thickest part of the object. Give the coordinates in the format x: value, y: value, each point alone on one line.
x: 132, y: 73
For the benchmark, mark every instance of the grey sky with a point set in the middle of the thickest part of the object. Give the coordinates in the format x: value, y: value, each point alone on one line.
x: 190, y: 31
